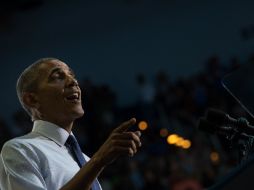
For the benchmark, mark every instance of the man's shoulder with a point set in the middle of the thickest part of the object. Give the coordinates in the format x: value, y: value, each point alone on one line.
x: 19, y: 151
x: 20, y: 142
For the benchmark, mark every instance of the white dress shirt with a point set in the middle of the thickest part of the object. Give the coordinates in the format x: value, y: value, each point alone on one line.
x: 38, y: 160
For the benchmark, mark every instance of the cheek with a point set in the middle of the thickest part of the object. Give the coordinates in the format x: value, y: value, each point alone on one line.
x: 51, y: 97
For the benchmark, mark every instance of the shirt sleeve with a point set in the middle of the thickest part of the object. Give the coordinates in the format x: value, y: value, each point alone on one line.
x: 19, y: 168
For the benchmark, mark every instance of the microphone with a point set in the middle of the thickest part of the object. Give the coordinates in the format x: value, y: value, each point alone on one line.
x: 218, y: 121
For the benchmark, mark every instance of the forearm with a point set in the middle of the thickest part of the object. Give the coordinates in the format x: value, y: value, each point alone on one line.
x: 119, y: 143
x: 85, y: 177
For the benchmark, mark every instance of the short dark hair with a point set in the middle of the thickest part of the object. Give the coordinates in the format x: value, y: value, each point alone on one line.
x: 28, y: 80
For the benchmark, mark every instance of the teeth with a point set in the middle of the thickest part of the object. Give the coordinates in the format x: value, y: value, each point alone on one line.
x: 76, y: 95
x: 73, y: 96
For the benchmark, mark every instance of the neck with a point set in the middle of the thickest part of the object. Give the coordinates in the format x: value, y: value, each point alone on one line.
x: 67, y: 125
x: 61, y: 122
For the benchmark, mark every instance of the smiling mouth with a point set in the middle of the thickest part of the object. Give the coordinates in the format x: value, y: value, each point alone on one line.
x: 73, y: 98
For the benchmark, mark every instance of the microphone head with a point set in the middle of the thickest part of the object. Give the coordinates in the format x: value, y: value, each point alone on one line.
x: 206, y: 126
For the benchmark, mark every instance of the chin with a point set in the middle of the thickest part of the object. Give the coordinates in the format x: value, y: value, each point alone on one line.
x: 81, y: 114
x: 78, y: 113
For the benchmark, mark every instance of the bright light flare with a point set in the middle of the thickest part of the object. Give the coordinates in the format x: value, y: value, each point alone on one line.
x: 142, y: 125
x: 186, y: 144
x: 172, y: 139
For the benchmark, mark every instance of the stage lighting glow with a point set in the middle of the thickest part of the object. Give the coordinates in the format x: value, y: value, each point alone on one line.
x: 186, y: 144
x: 142, y: 125
x: 172, y: 139
x: 214, y: 156
x: 179, y: 141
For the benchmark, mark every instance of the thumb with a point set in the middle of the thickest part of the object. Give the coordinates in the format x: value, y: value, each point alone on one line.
x: 125, y: 125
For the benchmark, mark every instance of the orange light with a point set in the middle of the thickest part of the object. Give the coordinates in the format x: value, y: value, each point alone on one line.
x: 214, y: 156
x: 186, y: 144
x: 179, y: 141
x: 163, y: 132
x: 172, y: 139
x: 142, y: 125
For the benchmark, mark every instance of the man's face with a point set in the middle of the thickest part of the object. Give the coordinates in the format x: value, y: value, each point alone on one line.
x: 58, y: 94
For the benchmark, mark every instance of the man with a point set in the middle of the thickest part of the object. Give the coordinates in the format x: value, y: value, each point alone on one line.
x: 49, y: 157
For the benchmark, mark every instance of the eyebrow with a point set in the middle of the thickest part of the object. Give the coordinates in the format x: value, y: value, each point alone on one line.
x: 59, y: 69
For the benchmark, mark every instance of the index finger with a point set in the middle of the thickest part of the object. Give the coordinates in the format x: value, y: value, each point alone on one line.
x: 125, y: 125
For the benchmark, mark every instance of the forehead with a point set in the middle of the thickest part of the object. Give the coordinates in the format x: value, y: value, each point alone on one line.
x: 48, y: 66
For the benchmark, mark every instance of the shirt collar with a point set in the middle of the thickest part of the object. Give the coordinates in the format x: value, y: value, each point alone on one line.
x: 51, y: 131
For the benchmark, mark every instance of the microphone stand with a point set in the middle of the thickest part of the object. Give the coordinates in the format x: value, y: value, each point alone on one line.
x: 235, y: 135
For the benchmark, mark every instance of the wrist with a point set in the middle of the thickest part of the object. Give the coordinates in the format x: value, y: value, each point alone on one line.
x: 98, y: 162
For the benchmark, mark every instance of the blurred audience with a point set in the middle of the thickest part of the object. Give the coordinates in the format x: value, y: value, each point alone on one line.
x: 172, y: 106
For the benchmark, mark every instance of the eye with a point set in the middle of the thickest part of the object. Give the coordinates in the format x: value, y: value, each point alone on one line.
x: 72, y: 74
x: 57, y: 75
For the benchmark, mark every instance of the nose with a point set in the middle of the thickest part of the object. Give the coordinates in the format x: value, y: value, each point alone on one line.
x: 71, y: 81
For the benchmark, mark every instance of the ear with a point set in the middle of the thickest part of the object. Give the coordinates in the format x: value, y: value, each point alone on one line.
x: 30, y: 100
